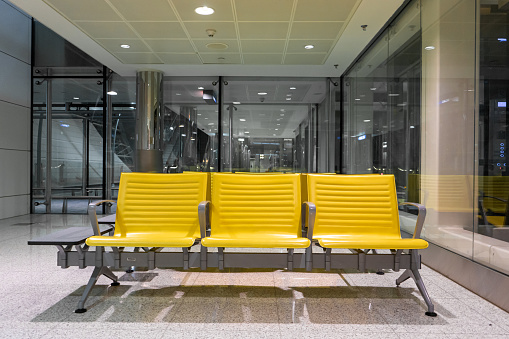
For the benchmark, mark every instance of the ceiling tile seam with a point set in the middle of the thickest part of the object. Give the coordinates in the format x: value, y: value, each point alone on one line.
x: 132, y: 28
x: 172, y: 5
x: 287, y: 40
x: 340, y: 33
x: 237, y: 31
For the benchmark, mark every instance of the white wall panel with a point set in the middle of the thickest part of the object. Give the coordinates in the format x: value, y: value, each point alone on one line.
x: 14, y: 32
x: 14, y: 127
x: 14, y: 80
x: 14, y: 206
x: 14, y: 172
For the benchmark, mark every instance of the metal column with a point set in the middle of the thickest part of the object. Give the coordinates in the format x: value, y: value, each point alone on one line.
x: 149, y: 122
x: 47, y: 191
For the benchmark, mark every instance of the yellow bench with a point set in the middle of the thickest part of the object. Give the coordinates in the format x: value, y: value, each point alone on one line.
x: 360, y: 213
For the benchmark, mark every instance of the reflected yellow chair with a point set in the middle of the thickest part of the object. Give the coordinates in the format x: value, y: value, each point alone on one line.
x: 261, y: 211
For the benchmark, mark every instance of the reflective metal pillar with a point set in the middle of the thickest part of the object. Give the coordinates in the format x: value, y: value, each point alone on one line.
x: 149, y: 121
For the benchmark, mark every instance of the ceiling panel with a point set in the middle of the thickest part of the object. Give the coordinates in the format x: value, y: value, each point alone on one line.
x: 257, y: 32
x: 113, y: 45
x: 201, y: 46
x: 181, y: 59
x: 324, y: 10
x: 222, y: 8
x: 96, y: 10
x: 262, y: 59
x: 305, y: 59
x: 220, y: 58
x: 168, y: 30
x: 169, y: 46
x: 224, y: 30
x: 315, y: 30
x: 263, y: 46
x: 321, y: 46
x: 153, y: 10
x: 263, y: 30
x: 263, y: 10
x: 138, y: 58
x: 99, y: 30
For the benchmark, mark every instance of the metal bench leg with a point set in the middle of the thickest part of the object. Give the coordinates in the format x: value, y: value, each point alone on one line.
x: 413, y: 273
x: 98, y: 271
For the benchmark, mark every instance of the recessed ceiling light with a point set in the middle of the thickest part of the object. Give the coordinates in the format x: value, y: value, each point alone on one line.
x: 276, y: 129
x: 236, y: 102
x: 181, y: 126
x: 242, y: 119
x: 241, y: 139
x: 199, y: 114
x: 309, y: 47
x: 246, y: 132
x: 502, y: 39
x: 289, y: 95
x: 184, y: 135
x: 211, y: 123
x: 204, y: 10
x: 201, y: 87
x: 429, y: 48
x: 293, y: 87
x: 192, y: 139
x: 288, y: 98
x: 125, y: 46
x: 76, y: 98
x: 373, y: 88
x: 262, y: 93
x: 279, y: 124
x: 412, y: 126
x: 206, y: 118
x: 282, y: 109
x: 111, y: 93
x: 357, y: 99
x: 393, y: 94
x: 367, y: 120
x: 282, y: 114
x: 178, y: 94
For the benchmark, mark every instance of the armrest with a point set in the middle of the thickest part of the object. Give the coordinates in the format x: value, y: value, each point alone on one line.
x: 203, y: 217
x: 420, y: 218
x: 309, y: 222
x: 92, y: 215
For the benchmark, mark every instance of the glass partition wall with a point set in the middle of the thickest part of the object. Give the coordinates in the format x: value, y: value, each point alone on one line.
x: 427, y: 102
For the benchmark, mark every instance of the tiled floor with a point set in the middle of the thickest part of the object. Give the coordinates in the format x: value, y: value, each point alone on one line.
x: 38, y: 299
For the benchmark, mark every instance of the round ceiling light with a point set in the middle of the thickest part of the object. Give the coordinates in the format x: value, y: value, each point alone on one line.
x: 309, y: 47
x: 204, y: 10
x: 217, y: 45
x: 429, y: 48
x: 125, y: 46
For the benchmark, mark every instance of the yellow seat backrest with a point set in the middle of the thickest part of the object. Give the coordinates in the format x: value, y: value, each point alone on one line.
x: 153, y: 203
x: 354, y: 205
x: 247, y: 204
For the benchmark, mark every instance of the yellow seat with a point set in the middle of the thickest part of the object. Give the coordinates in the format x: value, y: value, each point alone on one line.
x: 156, y: 210
x: 357, y: 212
x: 260, y: 211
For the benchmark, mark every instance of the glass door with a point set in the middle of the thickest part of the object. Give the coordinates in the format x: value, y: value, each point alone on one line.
x: 67, y: 144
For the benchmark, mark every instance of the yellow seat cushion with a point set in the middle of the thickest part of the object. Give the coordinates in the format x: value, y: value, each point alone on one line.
x: 146, y: 239
x: 257, y: 241
x: 371, y: 242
